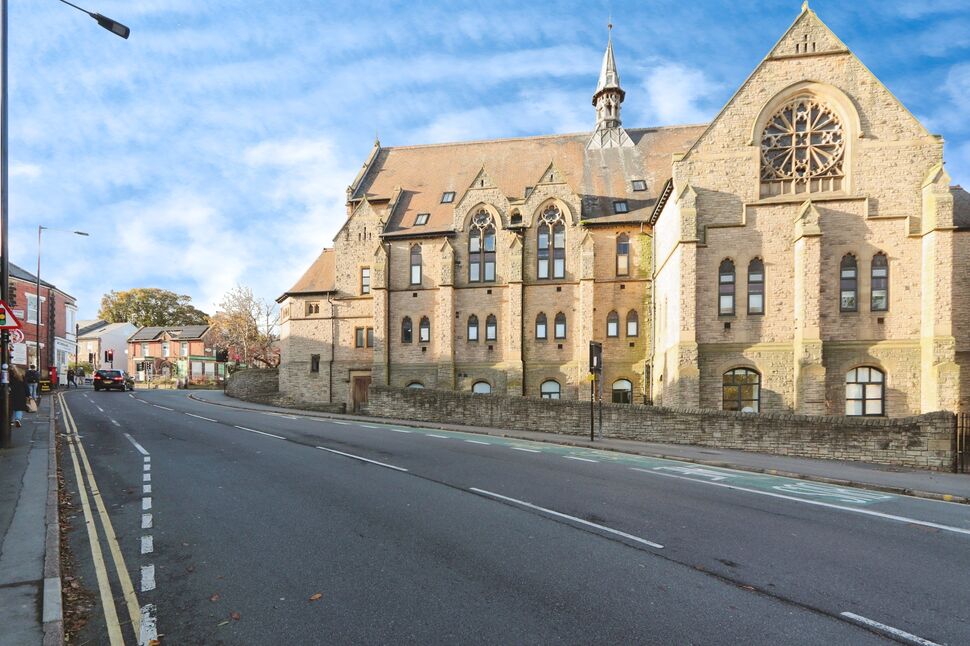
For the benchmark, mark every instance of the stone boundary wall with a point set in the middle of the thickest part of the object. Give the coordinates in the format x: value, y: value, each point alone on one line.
x: 924, y: 442
x: 262, y: 386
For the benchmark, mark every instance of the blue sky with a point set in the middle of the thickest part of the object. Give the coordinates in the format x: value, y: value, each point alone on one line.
x: 215, y: 145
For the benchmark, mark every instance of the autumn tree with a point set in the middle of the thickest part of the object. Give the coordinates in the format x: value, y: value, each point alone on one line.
x: 150, y: 306
x: 248, y: 327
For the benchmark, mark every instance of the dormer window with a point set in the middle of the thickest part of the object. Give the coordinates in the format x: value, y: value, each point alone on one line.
x: 421, y: 219
x: 639, y: 185
x: 620, y: 206
x: 447, y: 197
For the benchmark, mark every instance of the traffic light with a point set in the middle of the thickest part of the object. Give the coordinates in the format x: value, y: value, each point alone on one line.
x: 3, y: 316
x: 109, y: 356
x: 91, y: 358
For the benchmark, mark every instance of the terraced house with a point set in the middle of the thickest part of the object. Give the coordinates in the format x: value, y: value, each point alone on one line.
x: 798, y: 253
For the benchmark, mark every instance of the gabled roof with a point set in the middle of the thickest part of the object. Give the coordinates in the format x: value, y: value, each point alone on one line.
x: 22, y: 274
x: 88, y: 326
x: 97, y: 331
x: 318, y: 279
x: 182, y: 333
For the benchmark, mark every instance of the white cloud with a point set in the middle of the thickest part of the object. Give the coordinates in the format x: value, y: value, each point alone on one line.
x: 678, y: 94
x: 29, y: 171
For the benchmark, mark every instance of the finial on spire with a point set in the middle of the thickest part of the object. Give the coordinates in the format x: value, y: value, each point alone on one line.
x: 805, y: 6
x: 377, y: 138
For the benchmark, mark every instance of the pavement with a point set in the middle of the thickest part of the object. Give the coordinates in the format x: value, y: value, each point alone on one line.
x: 934, y: 485
x: 30, y: 589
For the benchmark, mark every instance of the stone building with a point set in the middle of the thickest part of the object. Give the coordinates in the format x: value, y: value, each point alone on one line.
x: 799, y: 253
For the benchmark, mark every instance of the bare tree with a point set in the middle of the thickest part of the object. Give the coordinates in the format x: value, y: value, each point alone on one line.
x: 248, y: 327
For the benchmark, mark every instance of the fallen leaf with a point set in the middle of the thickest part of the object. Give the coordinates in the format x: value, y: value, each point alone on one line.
x: 154, y: 642
x: 316, y: 596
x: 214, y: 597
x: 235, y: 615
x: 223, y: 623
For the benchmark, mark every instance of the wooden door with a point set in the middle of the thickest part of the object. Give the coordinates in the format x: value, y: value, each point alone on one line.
x: 360, y: 392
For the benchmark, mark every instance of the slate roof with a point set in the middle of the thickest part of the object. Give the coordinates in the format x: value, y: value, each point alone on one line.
x: 184, y: 332
x: 99, y: 328
x: 22, y: 274
x: 318, y: 279
x: 88, y: 327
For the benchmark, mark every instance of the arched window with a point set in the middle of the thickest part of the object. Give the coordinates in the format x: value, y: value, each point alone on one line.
x: 623, y: 255
x: 424, y: 330
x: 802, y: 149
x: 560, y: 326
x: 865, y: 392
x: 481, y: 248
x: 741, y: 390
x: 481, y: 388
x: 541, y: 331
x: 491, y: 328
x: 848, y: 284
x: 880, y: 283
x: 622, y: 391
x: 406, y: 330
x: 632, y: 323
x: 416, y: 264
x: 549, y: 389
x: 551, y: 244
x: 416, y: 385
x: 756, y: 286
x: 725, y: 288
x: 612, y: 324
x: 473, y: 328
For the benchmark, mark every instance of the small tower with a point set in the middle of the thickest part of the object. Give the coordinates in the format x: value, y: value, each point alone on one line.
x: 607, y: 99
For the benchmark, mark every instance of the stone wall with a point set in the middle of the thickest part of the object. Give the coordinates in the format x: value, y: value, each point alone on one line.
x: 253, y: 384
x: 924, y: 442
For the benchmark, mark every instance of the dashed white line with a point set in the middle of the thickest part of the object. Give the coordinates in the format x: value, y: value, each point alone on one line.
x: 282, y: 415
x: 567, y: 517
x: 99, y: 408
x: 519, y: 448
x: 147, y: 467
x: 146, y: 489
x: 147, y: 578
x: 146, y: 477
x: 138, y: 446
x: 895, y: 632
x: 333, y: 421
x: 253, y: 430
x: 148, y: 458
x: 443, y: 437
x: 478, y: 442
x: 399, y: 430
x: 149, y: 626
x: 146, y: 521
x: 357, y: 457
x: 115, y: 423
x: 147, y: 544
x: 208, y: 419
x: 368, y: 426
x: 573, y: 457
x: 162, y: 407
x: 146, y: 503
x: 141, y: 401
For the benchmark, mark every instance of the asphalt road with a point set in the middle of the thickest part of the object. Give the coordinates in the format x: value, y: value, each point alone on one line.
x: 415, y: 535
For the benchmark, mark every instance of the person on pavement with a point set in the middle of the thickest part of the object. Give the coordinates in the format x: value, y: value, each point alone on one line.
x: 71, y: 375
x: 32, y: 378
x: 18, y: 395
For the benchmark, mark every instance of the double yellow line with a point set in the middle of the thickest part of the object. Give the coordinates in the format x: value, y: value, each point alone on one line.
x: 104, y: 584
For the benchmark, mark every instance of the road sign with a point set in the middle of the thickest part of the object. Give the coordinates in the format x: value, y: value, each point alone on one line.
x: 7, y: 320
x: 17, y: 335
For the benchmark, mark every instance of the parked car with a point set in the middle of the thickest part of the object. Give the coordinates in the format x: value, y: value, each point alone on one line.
x: 117, y: 379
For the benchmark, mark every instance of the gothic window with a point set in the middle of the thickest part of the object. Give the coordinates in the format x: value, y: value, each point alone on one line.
x: 551, y: 242
x: 741, y: 390
x: 622, y: 391
x: 424, y: 330
x: 541, y: 328
x: 560, y: 326
x: 416, y: 264
x: 482, y: 388
x: 623, y: 255
x: 491, y: 328
x: 756, y: 287
x: 865, y: 392
x: 406, y: 330
x: 802, y: 149
x: 473, y: 328
x: 632, y: 323
x: 725, y: 288
x: 312, y: 308
x: 481, y: 248
x: 880, y: 283
x: 848, y: 284
x: 549, y: 389
x: 612, y: 324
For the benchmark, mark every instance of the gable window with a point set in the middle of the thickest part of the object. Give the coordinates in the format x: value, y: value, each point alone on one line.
x: 639, y: 185
x: 541, y: 330
x: 802, y: 149
x: 365, y: 280
x: 406, y: 330
x: 473, y: 328
x: 421, y: 219
x: 848, y: 284
x: 613, y: 324
x: 741, y: 390
x: 756, y: 287
x: 314, y: 363
x: 865, y: 392
x: 416, y: 264
x: 725, y: 288
x: 551, y: 242
x: 879, y: 301
x: 632, y: 323
x: 621, y: 206
x: 482, y: 388
x: 622, y: 391
x: 424, y: 330
x: 165, y: 349
x: 481, y: 248
x: 549, y: 389
x: 623, y: 255
x: 491, y: 328
x: 560, y: 326
x: 447, y: 197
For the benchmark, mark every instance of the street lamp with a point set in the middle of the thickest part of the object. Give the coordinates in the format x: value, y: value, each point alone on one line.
x: 41, y: 229
x: 114, y: 27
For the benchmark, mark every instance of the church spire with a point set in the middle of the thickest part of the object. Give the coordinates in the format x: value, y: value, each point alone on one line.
x: 607, y: 99
x: 609, y: 77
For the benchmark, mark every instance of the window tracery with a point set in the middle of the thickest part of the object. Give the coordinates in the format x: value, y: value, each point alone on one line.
x: 481, y: 248
x: 802, y: 149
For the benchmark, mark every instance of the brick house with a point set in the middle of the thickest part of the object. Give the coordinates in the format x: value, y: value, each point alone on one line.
x: 55, y: 335
x: 741, y: 264
x: 183, y: 353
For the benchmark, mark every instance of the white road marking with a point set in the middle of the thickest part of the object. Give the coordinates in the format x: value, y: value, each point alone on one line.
x: 148, y: 458
x: 398, y: 430
x: 149, y: 626
x: 282, y: 415
x: 573, y: 457
x: 146, y: 521
x: 147, y: 467
x: 368, y: 426
x: 146, y: 489
x: 208, y: 419
x: 129, y: 394
x: 147, y: 544
x: 253, y: 430
x: 478, y: 442
x: 818, y: 503
x: 115, y: 423
x: 138, y: 446
x: 895, y: 632
x: 141, y: 401
x: 444, y: 437
x: 147, y: 578
x: 357, y: 457
x: 99, y: 408
x: 146, y: 477
x: 146, y: 503
x: 519, y: 448
x: 162, y: 407
x: 567, y: 517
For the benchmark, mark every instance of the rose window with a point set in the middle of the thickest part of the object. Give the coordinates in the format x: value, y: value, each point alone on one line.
x: 802, y: 149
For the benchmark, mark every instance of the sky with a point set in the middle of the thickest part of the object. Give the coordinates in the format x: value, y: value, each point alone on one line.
x: 215, y: 145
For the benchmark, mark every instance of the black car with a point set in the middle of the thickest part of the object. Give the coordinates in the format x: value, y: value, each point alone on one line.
x: 117, y: 379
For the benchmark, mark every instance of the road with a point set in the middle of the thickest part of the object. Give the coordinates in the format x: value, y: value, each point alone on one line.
x: 229, y: 523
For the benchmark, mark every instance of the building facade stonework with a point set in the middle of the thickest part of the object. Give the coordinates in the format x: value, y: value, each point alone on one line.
x: 800, y: 253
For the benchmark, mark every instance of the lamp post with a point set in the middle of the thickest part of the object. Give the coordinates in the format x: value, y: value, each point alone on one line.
x: 114, y: 27
x: 40, y: 230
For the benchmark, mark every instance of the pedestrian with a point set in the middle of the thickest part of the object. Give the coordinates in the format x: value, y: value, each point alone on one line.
x: 33, y: 379
x: 18, y: 395
x: 71, y: 375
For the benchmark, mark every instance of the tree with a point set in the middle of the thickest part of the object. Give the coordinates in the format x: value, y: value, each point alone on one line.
x: 248, y: 327
x: 150, y: 306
